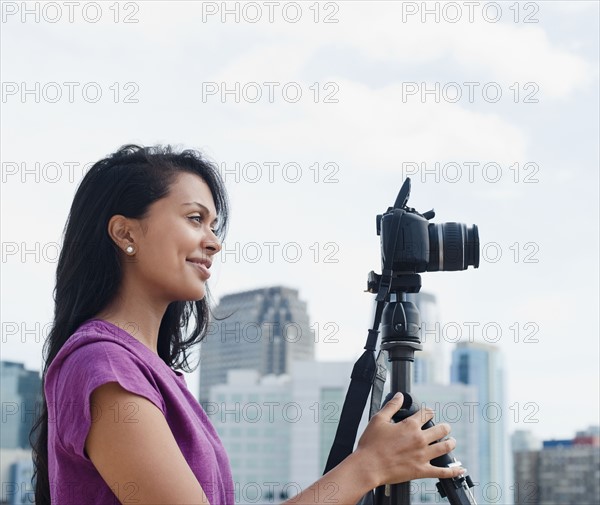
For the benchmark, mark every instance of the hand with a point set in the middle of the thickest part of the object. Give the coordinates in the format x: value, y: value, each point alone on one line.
x: 399, y: 452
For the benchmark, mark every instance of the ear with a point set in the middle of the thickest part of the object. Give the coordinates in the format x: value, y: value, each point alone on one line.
x: 122, y: 231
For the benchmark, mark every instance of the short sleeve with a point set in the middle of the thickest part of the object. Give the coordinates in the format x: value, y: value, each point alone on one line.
x: 87, y: 368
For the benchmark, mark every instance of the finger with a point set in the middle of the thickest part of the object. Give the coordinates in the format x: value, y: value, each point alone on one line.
x: 439, y: 448
x: 436, y: 432
x: 421, y: 416
x: 392, y: 406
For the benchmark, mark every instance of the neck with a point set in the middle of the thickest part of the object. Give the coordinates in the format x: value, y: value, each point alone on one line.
x: 138, y: 314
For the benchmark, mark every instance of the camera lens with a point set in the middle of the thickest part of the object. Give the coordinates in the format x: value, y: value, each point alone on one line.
x: 453, y: 246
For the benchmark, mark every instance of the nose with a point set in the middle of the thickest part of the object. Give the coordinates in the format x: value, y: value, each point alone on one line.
x: 212, y: 244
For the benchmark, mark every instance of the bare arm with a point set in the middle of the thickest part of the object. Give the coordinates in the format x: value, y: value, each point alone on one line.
x: 133, y: 449
x: 387, y: 453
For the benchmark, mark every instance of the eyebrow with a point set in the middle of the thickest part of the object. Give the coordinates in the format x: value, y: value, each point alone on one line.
x: 204, y: 208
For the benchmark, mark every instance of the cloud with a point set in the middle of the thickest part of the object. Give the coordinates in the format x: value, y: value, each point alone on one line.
x: 505, y: 51
x: 385, y: 129
x: 516, y: 54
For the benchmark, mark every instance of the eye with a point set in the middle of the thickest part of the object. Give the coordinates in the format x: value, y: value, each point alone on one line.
x: 199, y: 219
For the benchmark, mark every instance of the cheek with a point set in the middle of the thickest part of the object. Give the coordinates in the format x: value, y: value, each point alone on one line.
x: 159, y: 250
x: 189, y: 240
x: 173, y: 248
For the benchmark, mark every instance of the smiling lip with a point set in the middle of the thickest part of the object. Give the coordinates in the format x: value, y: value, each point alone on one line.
x: 201, y: 268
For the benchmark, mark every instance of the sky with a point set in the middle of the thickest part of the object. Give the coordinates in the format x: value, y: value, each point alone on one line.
x: 315, y: 113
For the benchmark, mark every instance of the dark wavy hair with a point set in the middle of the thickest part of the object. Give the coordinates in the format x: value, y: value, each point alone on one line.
x: 89, y: 273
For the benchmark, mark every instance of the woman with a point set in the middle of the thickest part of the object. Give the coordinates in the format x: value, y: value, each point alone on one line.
x: 118, y: 424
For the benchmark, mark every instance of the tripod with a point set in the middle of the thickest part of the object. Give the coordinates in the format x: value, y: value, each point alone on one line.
x: 400, y: 339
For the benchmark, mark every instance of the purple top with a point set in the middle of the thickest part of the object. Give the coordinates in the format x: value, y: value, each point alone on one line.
x: 100, y: 352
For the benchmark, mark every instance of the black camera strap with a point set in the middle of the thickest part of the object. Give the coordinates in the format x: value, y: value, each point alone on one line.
x: 365, y: 372
x: 361, y: 381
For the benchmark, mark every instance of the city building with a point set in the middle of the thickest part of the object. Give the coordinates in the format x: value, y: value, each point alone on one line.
x: 524, y: 440
x: 319, y: 388
x: 18, y: 488
x: 251, y: 414
x: 526, y: 461
x: 278, y: 430
x: 263, y: 329
x: 560, y: 472
x: 481, y: 365
x: 21, y: 402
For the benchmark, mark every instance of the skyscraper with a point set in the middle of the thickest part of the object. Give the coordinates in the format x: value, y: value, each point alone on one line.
x: 263, y: 329
x: 481, y: 365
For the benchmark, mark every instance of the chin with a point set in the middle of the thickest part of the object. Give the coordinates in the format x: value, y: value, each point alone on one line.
x: 191, y: 293
x: 198, y: 295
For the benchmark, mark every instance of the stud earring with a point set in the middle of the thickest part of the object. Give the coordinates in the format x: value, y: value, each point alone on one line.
x: 130, y: 249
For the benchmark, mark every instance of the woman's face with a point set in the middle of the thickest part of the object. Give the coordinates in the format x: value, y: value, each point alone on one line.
x: 175, y: 242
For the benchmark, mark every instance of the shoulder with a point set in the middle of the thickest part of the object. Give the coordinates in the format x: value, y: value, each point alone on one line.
x: 95, y: 355
x: 83, y: 357
x: 99, y: 334
x: 93, y: 345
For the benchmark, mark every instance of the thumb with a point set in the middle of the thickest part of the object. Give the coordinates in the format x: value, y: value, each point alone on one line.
x: 393, y: 405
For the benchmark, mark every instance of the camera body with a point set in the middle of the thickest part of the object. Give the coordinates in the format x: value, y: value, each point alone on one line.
x: 411, y: 244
